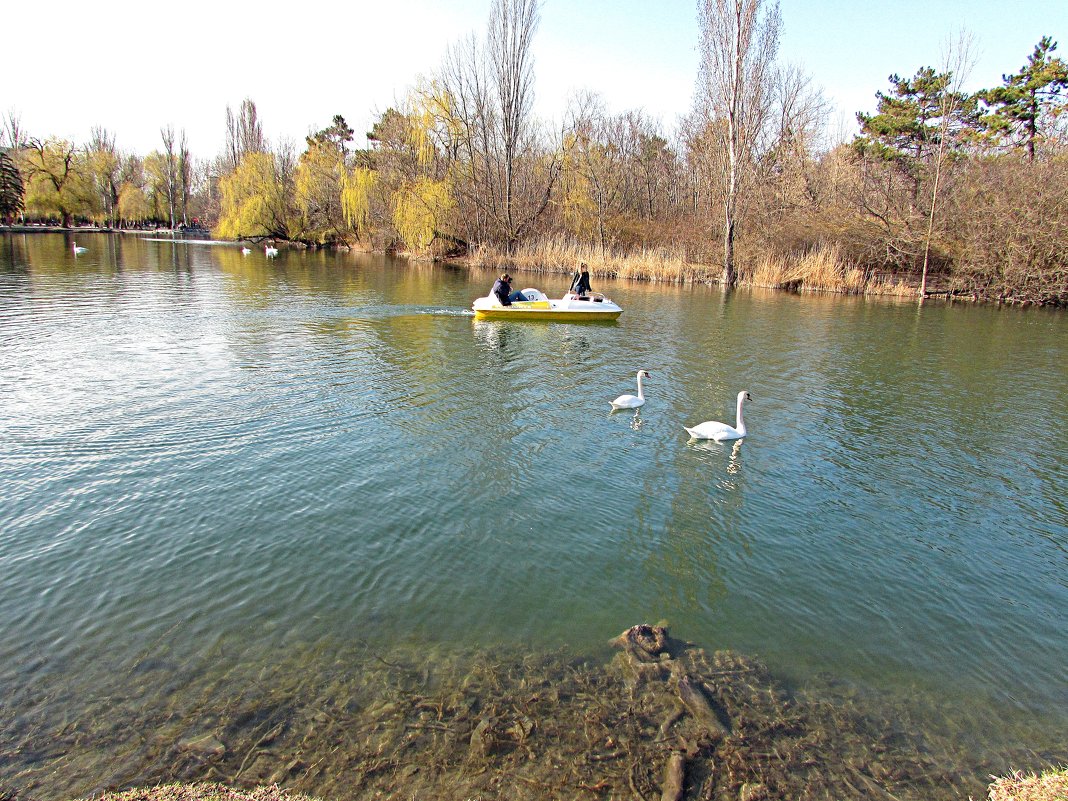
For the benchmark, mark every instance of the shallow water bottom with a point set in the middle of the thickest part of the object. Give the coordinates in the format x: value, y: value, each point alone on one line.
x: 403, y: 720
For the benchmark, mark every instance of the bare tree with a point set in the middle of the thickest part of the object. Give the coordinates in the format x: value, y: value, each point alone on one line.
x: 957, y: 64
x: 185, y: 176
x: 600, y: 151
x: 13, y: 132
x: 739, y: 41
x: 792, y: 139
x: 505, y: 177
x: 170, y: 170
x: 244, y: 134
x: 511, y: 30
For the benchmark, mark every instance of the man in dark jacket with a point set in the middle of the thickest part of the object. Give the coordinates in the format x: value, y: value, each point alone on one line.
x: 502, y: 288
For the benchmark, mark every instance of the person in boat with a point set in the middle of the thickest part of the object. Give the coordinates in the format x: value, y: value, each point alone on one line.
x: 580, y: 282
x: 502, y: 288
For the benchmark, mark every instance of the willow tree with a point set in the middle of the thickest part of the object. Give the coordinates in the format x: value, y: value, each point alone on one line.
x: 103, y: 164
x: 56, y: 180
x: 256, y: 200
x: 739, y: 42
x: 318, y: 180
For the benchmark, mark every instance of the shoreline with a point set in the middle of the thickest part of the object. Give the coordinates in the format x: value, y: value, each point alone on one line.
x: 379, y: 719
x: 820, y: 272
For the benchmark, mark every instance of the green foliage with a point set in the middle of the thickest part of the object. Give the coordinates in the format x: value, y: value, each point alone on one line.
x: 12, y: 190
x: 1016, y: 111
x: 58, y: 182
x: 357, y: 187
x: 254, y: 200
x: 317, y: 184
x: 908, y: 123
x: 418, y: 210
x: 155, y: 176
x: 337, y: 135
x: 133, y: 204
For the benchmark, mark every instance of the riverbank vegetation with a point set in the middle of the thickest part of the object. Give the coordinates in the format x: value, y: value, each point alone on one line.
x: 939, y: 191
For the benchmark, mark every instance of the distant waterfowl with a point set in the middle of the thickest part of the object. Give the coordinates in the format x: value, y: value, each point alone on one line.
x: 632, y: 401
x: 78, y: 249
x: 270, y: 252
x: 721, y: 431
x: 245, y: 251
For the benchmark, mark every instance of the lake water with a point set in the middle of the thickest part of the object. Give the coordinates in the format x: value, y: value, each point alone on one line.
x: 228, y: 457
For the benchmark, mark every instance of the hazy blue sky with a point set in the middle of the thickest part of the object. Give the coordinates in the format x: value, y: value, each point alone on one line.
x: 135, y: 67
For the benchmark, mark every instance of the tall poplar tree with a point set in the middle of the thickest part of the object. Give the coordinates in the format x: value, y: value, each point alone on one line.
x: 739, y: 42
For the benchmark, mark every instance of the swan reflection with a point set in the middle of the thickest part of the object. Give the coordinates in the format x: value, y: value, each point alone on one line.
x: 734, y: 459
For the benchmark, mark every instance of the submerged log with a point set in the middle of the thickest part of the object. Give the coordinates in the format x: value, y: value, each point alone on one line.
x: 699, y: 705
x: 674, y: 778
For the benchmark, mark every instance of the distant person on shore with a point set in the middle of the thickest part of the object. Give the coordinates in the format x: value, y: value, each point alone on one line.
x: 502, y: 288
x: 580, y: 282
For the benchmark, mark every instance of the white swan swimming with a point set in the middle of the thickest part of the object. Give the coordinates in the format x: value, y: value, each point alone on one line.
x: 245, y: 251
x: 721, y: 431
x: 270, y: 252
x: 78, y: 249
x: 632, y: 401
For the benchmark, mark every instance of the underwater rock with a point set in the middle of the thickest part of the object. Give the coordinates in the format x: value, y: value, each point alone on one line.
x: 485, y: 740
x: 644, y: 642
x: 205, y: 745
x: 284, y: 773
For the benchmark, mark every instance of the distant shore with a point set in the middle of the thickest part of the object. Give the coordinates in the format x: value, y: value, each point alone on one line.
x: 96, y: 229
x: 824, y: 270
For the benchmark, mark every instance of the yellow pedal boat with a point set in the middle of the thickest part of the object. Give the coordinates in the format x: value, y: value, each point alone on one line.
x: 539, y: 306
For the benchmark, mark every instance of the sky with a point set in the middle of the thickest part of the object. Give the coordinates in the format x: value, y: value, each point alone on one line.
x: 135, y: 67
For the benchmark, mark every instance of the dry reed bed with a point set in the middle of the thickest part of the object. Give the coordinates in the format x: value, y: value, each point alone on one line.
x: 822, y: 269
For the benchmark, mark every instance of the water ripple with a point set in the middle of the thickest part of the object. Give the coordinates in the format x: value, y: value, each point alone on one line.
x: 218, y: 452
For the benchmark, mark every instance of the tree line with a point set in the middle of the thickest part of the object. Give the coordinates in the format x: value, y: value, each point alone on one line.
x: 962, y: 192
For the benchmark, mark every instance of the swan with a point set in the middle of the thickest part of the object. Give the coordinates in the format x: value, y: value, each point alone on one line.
x: 632, y: 401
x: 269, y: 251
x: 78, y: 249
x: 245, y: 251
x: 721, y: 431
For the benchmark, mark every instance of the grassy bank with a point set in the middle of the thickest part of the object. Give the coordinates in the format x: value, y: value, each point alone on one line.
x: 822, y: 269
x: 1051, y: 785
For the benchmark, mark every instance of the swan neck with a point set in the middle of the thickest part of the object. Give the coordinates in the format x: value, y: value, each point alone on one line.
x: 640, y: 395
x: 740, y: 420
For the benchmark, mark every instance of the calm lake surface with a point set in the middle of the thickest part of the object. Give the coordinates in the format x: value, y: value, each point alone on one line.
x: 226, y: 457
